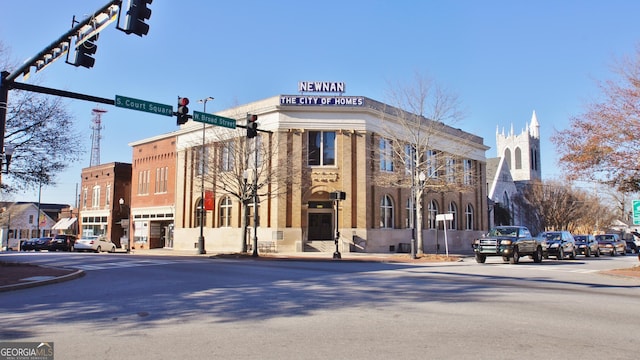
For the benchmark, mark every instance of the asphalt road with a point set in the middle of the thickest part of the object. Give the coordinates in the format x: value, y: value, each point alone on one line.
x: 141, y: 307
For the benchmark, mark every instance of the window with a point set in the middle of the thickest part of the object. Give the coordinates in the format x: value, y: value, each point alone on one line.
x: 468, y: 215
x: 252, y: 146
x: 321, y: 148
x: 95, y: 199
x: 202, y: 166
x: 84, y: 197
x: 386, y: 212
x: 225, y: 212
x: 408, y: 223
x: 227, y: 160
x: 200, y: 214
x: 409, y: 158
x: 450, y: 169
x: 518, y: 155
x: 386, y: 155
x: 507, y: 157
x: 432, y: 164
x: 431, y: 217
x: 161, y: 180
x: 468, y: 172
x: 143, y: 182
x: 453, y: 209
x: 107, y: 197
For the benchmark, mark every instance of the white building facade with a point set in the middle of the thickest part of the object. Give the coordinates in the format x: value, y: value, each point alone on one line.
x: 315, y: 146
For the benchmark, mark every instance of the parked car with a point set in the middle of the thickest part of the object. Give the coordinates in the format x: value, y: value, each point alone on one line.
x: 633, y: 243
x: 94, y: 243
x: 62, y: 242
x: 29, y: 244
x: 41, y: 243
x: 587, y: 245
x: 510, y: 242
x: 559, y: 244
x: 611, y: 244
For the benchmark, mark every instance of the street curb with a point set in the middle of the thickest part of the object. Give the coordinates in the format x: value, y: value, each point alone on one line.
x: 29, y: 284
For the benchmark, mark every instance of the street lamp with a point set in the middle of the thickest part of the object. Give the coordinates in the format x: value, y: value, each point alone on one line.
x: 127, y: 245
x: 245, y: 208
x: 201, y: 249
x: 8, y: 153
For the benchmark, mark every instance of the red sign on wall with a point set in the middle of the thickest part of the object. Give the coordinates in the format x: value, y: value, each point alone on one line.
x: 208, y: 200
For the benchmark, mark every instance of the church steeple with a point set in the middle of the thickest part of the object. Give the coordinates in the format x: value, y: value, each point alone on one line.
x: 522, y: 151
x: 534, y: 127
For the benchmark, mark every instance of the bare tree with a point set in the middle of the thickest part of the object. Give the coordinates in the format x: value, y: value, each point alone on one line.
x: 603, y: 142
x: 247, y: 170
x: 558, y: 206
x: 411, y: 150
x: 43, y: 135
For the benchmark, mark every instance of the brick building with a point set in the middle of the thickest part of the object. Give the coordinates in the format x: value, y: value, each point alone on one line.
x: 153, y: 192
x: 102, y: 187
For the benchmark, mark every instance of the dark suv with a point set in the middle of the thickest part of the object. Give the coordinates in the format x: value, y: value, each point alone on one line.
x: 559, y: 244
x: 62, y: 242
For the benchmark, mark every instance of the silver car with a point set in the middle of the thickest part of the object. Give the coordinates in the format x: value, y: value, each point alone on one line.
x: 94, y: 243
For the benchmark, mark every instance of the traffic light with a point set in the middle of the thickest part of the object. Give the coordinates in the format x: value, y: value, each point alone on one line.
x: 183, y: 110
x: 84, y: 52
x: 252, y: 126
x: 136, y: 15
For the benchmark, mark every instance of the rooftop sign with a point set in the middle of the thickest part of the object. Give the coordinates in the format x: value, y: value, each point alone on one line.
x: 305, y: 100
x: 321, y: 86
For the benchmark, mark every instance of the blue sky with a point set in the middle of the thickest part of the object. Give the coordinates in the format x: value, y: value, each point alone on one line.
x: 504, y: 59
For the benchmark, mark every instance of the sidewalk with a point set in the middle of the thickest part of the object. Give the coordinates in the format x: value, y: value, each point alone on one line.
x: 350, y: 256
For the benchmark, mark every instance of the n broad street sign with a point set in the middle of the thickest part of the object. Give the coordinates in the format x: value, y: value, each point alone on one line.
x: 143, y: 105
x: 214, y: 120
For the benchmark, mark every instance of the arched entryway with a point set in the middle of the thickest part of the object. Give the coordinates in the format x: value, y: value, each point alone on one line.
x: 320, y: 217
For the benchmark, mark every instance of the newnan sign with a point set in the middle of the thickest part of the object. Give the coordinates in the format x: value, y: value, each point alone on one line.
x: 321, y: 86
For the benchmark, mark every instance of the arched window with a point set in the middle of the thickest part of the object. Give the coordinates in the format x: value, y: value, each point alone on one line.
x: 200, y: 214
x: 433, y: 211
x: 468, y: 215
x: 225, y: 212
x: 453, y: 209
x: 507, y: 158
x: 386, y: 212
x: 408, y: 223
x: 518, y: 159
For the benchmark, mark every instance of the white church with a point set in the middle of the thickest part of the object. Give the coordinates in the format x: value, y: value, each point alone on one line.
x: 517, y: 163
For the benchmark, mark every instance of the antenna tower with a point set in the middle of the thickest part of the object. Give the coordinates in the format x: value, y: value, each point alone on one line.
x: 95, y: 135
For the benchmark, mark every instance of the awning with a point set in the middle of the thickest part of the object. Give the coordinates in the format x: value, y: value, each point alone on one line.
x: 64, y: 224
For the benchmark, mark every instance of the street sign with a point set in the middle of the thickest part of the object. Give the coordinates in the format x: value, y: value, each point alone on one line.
x: 214, y: 120
x: 636, y: 212
x: 143, y: 105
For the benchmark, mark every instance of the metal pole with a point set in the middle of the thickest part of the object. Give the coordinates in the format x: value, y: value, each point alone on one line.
x: 4, y: 104
x: 201, y: 249
x: 336, y: 254
x: 255, y: 199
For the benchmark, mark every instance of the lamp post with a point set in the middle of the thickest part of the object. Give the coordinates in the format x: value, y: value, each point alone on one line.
x: 128, y: 212
x: 8, y: 153
x: 201, y: 249
x: 245, y: 215
x: 336, y: 196
x: 418, y: 203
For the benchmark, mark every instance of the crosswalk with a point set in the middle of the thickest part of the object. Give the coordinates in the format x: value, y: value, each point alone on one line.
x: 92, y: 264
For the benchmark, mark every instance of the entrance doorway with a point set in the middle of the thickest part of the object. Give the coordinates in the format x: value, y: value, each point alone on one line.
x: 320, y: 225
